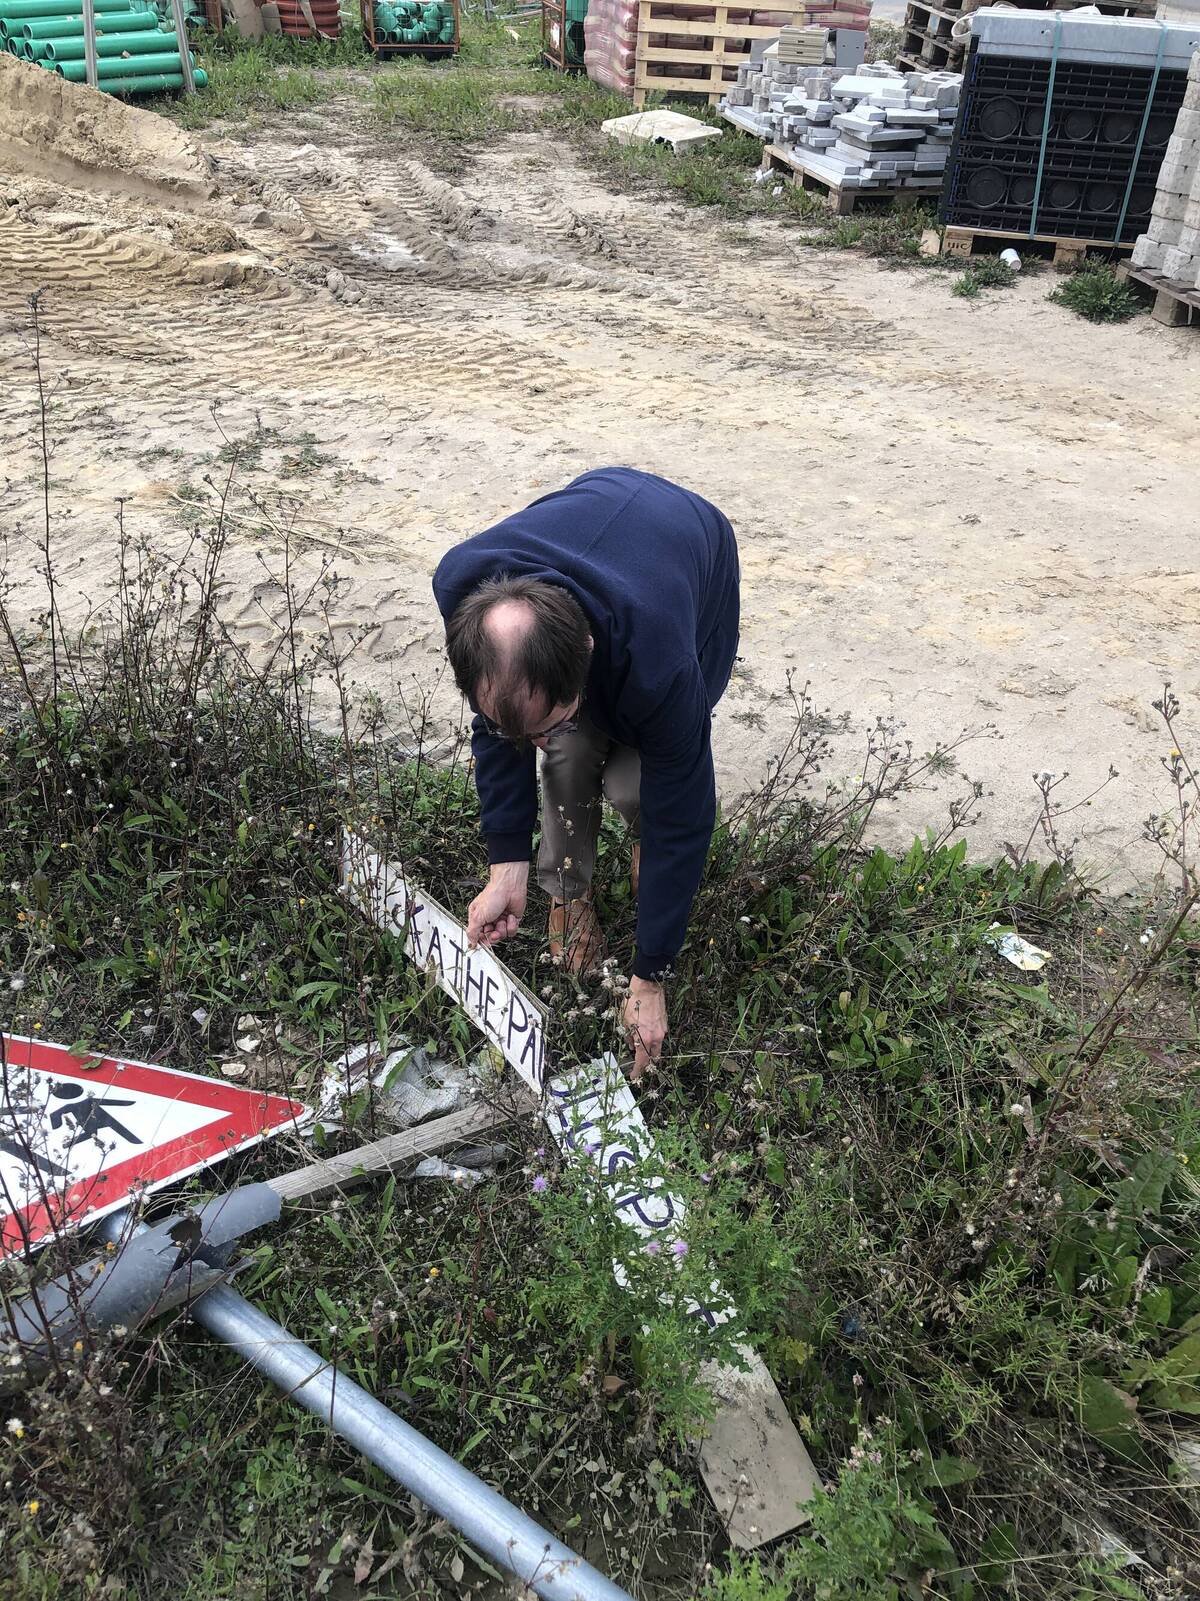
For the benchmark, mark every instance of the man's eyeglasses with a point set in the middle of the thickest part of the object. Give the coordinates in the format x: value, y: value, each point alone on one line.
x: 568, y: 725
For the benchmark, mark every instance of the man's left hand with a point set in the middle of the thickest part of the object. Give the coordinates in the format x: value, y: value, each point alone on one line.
x: 645, y: 1023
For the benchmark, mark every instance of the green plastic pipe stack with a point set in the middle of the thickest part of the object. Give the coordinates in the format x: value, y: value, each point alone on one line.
x: 117, y: 67
x: 111, y: 44
x: 19, y: 10
x: 135, y: 53
x: 412, y: 22
x: 151, y: 83
x: 68, y: 27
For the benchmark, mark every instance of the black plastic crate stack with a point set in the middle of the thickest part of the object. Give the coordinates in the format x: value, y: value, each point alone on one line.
x: 1095, y: 112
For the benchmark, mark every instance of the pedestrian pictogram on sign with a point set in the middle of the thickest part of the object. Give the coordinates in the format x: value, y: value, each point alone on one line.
x: 80, y: 1136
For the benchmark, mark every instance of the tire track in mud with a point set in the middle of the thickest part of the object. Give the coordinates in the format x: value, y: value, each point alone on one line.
x: 496, y: 299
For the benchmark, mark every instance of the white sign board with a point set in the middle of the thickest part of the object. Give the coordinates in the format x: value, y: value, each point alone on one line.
x: 753, y: 1461
x: 481, y: 984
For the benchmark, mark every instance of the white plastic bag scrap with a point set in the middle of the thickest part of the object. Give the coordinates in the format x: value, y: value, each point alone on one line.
x: 1018, y: 951
x: 409, y: 1085
x: 460, y: 1173
x: 470, y: 1166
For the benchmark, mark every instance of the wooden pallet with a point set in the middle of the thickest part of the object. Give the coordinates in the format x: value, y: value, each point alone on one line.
x: 959, y: 241
x: 927, y: 36
x: 840, y: 200
x: 721, y: 47
x: 931, y: 52
x: 925, y: 41
x: 1174, y: 304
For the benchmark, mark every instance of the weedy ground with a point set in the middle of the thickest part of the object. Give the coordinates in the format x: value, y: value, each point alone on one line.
x: 497, y: 85
x: 955, y: 1202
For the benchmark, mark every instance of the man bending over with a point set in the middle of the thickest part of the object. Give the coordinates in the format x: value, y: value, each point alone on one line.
x: 598, y: 626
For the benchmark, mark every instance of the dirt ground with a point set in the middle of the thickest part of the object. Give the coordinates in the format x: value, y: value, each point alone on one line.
x: 953, y: 513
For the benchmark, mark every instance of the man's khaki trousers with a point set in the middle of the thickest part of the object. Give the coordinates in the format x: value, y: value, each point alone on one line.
x: 580, y: 771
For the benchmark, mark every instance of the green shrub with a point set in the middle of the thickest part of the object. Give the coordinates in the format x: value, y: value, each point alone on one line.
x: 1094, y: 291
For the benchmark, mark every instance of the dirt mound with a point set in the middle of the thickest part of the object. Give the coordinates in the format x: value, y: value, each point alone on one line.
x: 64, y: 131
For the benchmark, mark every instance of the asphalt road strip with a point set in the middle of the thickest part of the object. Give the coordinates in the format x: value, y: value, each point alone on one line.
x: 752, y: 1459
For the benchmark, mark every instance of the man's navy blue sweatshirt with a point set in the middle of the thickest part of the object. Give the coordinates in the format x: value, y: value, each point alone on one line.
x: 655, y: 569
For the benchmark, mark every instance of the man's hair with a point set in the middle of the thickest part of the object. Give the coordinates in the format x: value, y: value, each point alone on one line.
x: 550, y: 659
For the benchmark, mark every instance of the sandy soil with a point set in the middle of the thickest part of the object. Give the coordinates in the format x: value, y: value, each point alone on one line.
x: 951, y: 513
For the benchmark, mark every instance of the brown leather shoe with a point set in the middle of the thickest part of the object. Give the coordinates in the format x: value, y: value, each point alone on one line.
x: 635, y: 871
x: 576, y: 935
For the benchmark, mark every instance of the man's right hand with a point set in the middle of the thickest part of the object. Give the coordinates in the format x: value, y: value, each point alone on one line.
x: 495, y: 914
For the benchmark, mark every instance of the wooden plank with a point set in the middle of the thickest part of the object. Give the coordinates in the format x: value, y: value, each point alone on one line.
x: 667, y: 20
x: 933, y: 11
x: 959, y: 241
x: 382, y: 1155
x: 1175, y: 305
x: 675, y: 83
x: 727, y: 48
x: 841, y: 199
x: 704, y: 30
x: 1170, y: 310
x: 753, y: 1462
x: 674, y: 87
x: 698, y: 58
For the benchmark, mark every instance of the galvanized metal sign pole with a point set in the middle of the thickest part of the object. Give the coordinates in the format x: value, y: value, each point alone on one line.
x: 89, y: 43
x: 185, y: 60
x: 494, y: 1527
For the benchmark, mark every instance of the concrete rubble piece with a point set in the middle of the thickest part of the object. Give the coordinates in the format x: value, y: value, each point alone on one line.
x: 660, y: 128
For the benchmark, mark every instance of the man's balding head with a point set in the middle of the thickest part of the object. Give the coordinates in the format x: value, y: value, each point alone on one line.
x: 522, y: 645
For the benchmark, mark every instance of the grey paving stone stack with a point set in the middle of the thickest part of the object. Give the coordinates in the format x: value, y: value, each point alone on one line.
x: 1171, y: 245
x: 870, y: 129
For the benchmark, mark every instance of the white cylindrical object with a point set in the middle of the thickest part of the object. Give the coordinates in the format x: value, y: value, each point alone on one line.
x: 1010, y: 259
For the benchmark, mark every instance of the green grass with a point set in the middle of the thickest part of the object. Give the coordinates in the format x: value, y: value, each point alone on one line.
x: 456, y: 102
x: 985, y: 272
x: 273, y: 75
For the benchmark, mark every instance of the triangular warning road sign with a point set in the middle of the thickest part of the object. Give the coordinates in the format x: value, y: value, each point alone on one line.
x: 80, y: 1136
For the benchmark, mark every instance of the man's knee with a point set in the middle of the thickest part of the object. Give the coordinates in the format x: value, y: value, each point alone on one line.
x: 622, y: 785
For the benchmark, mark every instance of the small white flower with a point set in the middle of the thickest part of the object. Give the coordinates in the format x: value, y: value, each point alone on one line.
x: 15, y: 1426
x: 1016, y: 1109
x: 119, y: 1330
x: 970, y: 1228
x: 16, y: 982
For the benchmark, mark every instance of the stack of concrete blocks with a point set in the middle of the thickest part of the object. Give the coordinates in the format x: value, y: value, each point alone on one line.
x: 799, y: 47
x: 877, y: 128
x: 1172, y: 244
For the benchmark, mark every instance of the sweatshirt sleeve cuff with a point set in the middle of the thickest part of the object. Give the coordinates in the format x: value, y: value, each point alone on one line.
x: 509, y: 848
x: 652, y: 968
